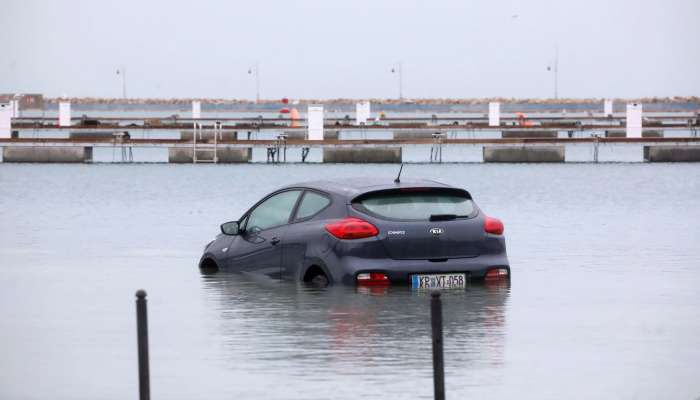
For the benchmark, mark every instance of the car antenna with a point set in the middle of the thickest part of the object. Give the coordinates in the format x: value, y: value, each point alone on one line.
x: 398, y: 177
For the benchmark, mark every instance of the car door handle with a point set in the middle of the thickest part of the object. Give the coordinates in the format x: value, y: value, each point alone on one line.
x: 274, y: 240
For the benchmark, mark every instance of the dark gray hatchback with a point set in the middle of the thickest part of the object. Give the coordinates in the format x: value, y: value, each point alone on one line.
x: 365, y: 232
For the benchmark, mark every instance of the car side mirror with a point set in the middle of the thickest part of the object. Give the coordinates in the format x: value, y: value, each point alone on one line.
x: 230, y: 228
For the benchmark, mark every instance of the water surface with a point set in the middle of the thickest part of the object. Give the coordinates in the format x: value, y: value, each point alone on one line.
x: 603, y: 303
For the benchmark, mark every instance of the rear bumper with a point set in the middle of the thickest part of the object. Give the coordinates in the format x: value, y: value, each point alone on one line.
x: 399, y: 271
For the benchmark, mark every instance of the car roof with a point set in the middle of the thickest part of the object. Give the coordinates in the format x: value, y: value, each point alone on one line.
x: 352, y: 187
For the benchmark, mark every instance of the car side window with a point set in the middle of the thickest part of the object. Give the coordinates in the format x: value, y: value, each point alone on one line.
x: 273, y: 212
x: 311, y: 204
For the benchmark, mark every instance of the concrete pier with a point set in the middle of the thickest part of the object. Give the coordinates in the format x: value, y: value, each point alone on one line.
x: 414, y: 134
x: 234, y: 156
x: 522, y: 154
x: 672, y: 153
x: 563, y: 149
x: 645, y: 134
x: 300, y: 135
x: 53, y: 154
x: 225, y: 155
x: 232, y: 135
x: 208, y: 136
x: 362, y: 155
x: 525, y: 134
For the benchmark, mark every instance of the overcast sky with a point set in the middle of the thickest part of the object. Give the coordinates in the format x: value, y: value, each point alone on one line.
x: 329, y: 49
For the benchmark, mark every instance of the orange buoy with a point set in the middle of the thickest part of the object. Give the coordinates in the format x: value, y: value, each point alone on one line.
x: 522, y: 119
x: 294, y: 115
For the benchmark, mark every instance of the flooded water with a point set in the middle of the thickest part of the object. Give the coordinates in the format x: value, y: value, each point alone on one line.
x: 603, y: 303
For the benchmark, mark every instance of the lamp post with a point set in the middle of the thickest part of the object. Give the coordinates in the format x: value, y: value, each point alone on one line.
x: 398, y: 70
x: 122, y: 71
x: 256, y: 70
x: 555, y: 67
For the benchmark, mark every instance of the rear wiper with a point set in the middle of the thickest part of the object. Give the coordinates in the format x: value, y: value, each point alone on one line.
x: 442, y: 217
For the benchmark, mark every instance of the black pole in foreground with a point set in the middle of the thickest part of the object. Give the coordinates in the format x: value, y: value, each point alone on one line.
x: 142, y: 335
x: 438, y: 363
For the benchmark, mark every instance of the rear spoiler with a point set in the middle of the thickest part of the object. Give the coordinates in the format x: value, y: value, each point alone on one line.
x: 417, y: 189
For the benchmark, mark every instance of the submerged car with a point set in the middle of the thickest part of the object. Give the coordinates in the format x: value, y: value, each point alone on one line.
x: 365, y: 232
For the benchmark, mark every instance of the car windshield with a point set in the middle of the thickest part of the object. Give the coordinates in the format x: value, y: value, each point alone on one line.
x: 416, y: 204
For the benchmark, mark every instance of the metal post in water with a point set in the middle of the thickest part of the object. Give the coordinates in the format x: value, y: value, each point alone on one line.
x: 142, y: 337
x: 596, y: 141
x: 438, y: 362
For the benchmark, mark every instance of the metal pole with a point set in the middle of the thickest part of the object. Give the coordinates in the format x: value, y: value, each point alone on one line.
x: 142, y: 335
x: 556, y: 72
x: 257, y: 83
x: 398, y: 69
x: 400, y: 81
x: 217, y: 132
x: 124, y: 82
x: 438, y: 362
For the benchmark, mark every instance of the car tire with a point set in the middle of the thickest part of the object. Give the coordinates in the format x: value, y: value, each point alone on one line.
x: 319, y: 281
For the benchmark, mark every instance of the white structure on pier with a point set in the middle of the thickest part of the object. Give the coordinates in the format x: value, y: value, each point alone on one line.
x: 634, y: 120
x: 64, y: 113
x: 14, y: 105
x: 196, y: 109
x: 5, y: 120
x: 314, y: 122
x: 608, y: 107
x: 494, y: 114
x: 362, y: 112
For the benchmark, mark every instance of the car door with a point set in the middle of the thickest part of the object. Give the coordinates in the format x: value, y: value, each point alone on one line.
x: 257, y: 248
x: 304, y: 232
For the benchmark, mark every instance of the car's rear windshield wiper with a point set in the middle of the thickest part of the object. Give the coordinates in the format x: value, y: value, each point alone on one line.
x: 442, y: 217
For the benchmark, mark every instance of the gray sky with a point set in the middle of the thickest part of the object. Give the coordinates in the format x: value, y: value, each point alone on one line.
x: 328, y: 49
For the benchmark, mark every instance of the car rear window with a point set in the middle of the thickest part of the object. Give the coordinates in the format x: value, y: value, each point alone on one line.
x: 416, y: 204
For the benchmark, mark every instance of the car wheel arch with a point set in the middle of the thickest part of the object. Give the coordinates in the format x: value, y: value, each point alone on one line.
x: 208, y: 263
x: 308, y: 272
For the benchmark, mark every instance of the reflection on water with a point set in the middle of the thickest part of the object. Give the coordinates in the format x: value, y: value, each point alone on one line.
x: 304, y: 331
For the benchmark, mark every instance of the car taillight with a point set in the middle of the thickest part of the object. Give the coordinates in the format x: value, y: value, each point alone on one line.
x: 352, y: 228
x: 493, y: 225
x: 496, y: 274
x: 372, y: 279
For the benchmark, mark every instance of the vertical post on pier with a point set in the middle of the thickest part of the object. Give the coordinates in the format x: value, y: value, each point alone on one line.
x: 5, y: 120
x: 142, y: 336
x: 494, y: 114
x: 608, y: 107
x: 15, y: 108
x: 634, y: 120
x: 438, y: 361
x: 64, y: 113
x: 314, y: 122
x: 362, y: 112
x: 196, y: 109
x: 196, y: 114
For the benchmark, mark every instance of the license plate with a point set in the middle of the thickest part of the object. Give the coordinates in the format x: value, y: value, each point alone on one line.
x: 439, y: 281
